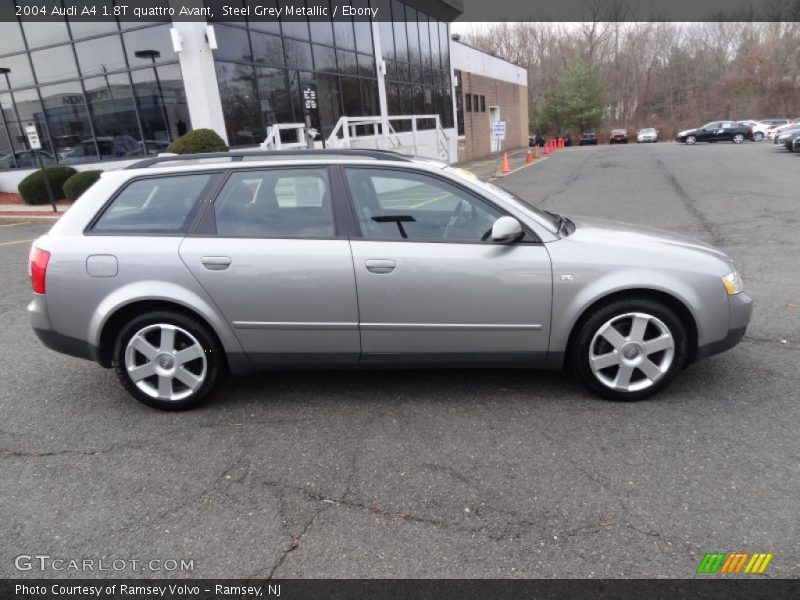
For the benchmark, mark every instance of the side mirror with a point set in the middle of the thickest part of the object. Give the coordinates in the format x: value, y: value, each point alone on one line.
x: 507, y: 230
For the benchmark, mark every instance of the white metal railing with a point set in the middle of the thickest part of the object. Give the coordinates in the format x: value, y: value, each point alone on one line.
x: 273, y: 141
x: 383, y: 135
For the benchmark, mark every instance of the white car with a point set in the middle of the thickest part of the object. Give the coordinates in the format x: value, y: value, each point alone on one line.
x: 760, y: 128
x: 648, y: 134
x: 776, y: 126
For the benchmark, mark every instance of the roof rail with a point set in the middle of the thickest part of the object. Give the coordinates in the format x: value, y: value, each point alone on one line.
x: 277, y: 154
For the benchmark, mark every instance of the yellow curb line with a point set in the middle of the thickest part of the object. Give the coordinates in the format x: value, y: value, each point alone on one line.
x: 17, y: 242
x: 537, y: 161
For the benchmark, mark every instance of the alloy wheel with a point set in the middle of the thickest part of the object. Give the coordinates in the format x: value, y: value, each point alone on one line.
x: 691, y: 140
x: 631, y: 352
x: 166, y: 362
x: 738, y: 138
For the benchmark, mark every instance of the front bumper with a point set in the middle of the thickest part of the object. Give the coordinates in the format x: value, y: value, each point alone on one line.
x: 740, y: 308
x: 43, y: 328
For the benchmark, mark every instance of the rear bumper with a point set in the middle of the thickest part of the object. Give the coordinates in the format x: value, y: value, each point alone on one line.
x: 43, y: 328
x: 740, y: 307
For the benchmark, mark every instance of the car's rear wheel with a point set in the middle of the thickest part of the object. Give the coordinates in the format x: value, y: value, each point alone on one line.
x: 738, y: 138
x: 758, y: 136
x: 629, y: 349
x: 691, y: 140
x: 167, y: 360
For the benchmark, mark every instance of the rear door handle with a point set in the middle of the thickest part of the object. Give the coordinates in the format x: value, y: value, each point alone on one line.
x: 380, y: 266
x: 216, y: 263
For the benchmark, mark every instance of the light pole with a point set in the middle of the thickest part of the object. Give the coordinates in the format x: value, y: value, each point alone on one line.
x: 6, y: 71
x: 153, y: 55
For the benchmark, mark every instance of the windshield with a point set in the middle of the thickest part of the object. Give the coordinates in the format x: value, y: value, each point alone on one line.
x: 648, y: 130
x: 544, y: 218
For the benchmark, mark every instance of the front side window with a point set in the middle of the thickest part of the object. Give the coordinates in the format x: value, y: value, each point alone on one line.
x: 393, y: 204
x: 276, y: 203
x: 155, y: 205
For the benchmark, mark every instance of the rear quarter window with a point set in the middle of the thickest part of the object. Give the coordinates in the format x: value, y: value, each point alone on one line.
x: 154, y: 205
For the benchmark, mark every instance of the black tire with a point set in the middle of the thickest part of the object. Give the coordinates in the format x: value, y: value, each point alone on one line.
x: 738, y: 138
x: 213, y: 356
x: 690, y: 140
x: 585, y: 332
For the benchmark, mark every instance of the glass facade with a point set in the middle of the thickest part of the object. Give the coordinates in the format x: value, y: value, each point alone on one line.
x: 94, y: 91
x: 110, y: 90
x: 416, y: 49
x: 261, y: 67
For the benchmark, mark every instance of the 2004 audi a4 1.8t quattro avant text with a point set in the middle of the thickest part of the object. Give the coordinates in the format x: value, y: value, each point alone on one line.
x: 180, y: 269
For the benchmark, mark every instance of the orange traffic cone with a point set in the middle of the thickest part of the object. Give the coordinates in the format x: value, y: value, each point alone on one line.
x: 528, y: 158
x: 547, y: 148
x: 504, y: 165
x: 560, y: 142
x: 536, y: 152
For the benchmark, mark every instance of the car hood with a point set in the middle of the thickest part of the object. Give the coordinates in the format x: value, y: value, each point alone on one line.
x: 602, y: 231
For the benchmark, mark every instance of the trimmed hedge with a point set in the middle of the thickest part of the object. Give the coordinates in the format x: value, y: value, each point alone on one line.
x: 199, y: 140
x: 79, y: 183
x: 33, y: 190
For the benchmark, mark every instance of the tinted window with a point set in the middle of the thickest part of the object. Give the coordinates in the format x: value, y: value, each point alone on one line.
x: 279, y: 203
x: 159, y: 205
x: 402, y: 205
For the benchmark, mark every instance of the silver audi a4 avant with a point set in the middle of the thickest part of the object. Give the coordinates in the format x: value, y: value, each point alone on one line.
x: 180, y: 269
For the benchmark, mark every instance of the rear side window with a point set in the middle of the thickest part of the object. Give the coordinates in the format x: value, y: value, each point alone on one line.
x: 275, y: 203
x: 156, y: 205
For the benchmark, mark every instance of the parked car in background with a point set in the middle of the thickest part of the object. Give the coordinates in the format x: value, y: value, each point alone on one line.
x: 24, y: 159
x: 588, y: 139
x: 180, y: 268
x: 785, y: 137
x: 536, y: 140
x: 119, y: 146
x: 778, y: 131
x: 618, y: 136
x: 648, y: 134
x: 775, y: 124
x: 564, y: 136
x: 791, y: 143
x: 716, y: 131
x: 759, y: 128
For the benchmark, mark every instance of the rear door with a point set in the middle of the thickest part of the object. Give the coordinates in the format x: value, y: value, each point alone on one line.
x: 269, y: 253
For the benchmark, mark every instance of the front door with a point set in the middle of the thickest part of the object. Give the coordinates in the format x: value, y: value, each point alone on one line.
x: 269, y: 257
x: 428, y: 286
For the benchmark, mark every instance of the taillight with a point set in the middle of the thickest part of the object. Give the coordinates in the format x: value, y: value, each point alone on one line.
x: 37, y: 268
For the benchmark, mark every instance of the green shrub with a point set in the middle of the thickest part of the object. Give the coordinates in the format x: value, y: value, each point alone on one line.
x: 33, y: 190
x: 199, y: 140
x: 79, y: 183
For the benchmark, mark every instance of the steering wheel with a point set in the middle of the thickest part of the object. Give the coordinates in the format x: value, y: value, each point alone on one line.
x: 458, y: 214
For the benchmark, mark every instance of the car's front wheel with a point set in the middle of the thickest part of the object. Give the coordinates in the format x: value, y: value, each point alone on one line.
x: 691, y: 140
x: 758, y: 136
x: 738, y: 138
x: 167, y: 360
x: 629, y: 349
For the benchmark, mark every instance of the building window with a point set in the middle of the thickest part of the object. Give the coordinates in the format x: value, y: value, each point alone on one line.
x: 468, y: 98
x: 483, y: 103
x: 86, y: 109
x: 340, y: 63
x: 459, y: 104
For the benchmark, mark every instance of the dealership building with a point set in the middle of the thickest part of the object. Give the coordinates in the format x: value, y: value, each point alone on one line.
x: 103, y: 93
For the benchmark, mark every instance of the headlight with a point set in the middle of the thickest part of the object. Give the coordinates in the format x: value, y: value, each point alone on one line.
x: 733, y: 283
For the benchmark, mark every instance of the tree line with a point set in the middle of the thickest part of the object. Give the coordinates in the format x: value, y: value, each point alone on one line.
x: 599, y: 75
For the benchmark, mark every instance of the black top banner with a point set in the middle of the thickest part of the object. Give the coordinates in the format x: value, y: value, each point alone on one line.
x: 481, y: 11
x: 734, y: 588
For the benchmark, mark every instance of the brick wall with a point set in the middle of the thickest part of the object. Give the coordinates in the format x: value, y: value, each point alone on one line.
x: 513, y: 102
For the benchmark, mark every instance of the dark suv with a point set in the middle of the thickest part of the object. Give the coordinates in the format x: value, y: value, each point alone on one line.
x: 588, y: 139
x: 618, y: 136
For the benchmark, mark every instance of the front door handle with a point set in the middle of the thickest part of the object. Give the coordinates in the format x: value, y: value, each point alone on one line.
x: 216, y: 263
x: 380, y: 266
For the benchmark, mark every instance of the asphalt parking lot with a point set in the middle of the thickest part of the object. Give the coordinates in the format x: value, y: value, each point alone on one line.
x: 458, y: 473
